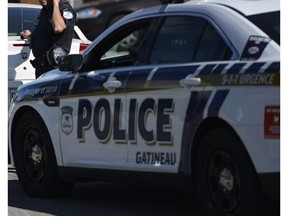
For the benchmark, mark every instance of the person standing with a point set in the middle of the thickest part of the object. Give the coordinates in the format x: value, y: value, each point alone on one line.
x: 54, y: 27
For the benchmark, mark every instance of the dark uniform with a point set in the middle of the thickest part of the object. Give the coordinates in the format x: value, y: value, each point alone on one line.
x: 44, y: 37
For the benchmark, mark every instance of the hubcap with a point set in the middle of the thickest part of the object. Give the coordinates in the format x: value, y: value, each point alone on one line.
x: 223, y: 181
x: 36, y: 154
x: 226, y: 180
x: 33, y: 156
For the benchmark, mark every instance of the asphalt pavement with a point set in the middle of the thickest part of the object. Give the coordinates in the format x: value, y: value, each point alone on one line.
x: 103, y: 199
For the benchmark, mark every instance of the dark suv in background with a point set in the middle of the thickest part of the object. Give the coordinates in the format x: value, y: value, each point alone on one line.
x: 94, y: 17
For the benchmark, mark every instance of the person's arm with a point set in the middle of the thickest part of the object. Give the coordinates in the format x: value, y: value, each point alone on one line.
x: 58, y: 22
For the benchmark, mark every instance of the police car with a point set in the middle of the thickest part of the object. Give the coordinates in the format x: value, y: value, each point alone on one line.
x: 193, y: 99
x: 20, y: 70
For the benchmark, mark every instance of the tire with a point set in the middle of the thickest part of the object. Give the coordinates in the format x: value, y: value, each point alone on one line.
x: 35, y: 160
x: 226, y: 182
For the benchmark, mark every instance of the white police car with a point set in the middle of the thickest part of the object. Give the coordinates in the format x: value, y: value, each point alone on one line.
x: 20, y: 70
x: 193, y: 99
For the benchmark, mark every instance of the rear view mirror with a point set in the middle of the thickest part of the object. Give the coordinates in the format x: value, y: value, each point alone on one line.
x: 71, y: 62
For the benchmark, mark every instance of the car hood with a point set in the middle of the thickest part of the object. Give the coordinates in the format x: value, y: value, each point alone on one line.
x: 47, y: 85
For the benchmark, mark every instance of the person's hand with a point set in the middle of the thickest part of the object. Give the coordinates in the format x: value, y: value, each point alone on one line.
x: 26, y: 34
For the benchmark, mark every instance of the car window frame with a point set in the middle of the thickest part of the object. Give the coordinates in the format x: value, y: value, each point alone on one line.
x: 22, y: 16
x: 113, y: 36
x: 257, y: 20
x: 235, y: 55
x: 156, y: 24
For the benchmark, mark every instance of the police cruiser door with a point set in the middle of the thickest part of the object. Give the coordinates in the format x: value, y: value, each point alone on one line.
x: 141, y: 96
x: 92, y: 116
x: 165, y: 98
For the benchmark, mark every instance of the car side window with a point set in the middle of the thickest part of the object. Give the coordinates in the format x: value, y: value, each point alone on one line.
x: 188, y: 39
x: 127, y: 46
x: 121, y: 48
x: 19, y: 20
x: 212, y: 47
x: 14, y: 22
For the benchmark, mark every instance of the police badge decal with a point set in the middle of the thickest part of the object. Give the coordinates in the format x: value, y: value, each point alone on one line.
x: 67, y: 119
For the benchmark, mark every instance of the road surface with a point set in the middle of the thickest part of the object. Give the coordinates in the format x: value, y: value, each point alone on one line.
x: 103, y: 199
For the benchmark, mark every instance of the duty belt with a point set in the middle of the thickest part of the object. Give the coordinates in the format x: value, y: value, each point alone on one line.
x: 40, y: 62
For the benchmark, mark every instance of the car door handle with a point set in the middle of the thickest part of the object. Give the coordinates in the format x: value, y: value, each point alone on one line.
x: 190, y: 81
x: 112, y: 84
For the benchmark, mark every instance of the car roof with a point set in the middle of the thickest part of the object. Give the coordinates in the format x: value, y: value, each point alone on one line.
x: 246, y: 7
x: 213, y: 9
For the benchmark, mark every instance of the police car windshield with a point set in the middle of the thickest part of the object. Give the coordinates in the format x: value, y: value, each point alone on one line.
x: 269, y: 23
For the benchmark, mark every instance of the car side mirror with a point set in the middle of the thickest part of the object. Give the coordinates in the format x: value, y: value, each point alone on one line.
x: 71, y: 62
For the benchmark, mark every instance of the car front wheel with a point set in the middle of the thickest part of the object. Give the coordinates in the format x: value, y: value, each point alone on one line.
x: 35, y: 159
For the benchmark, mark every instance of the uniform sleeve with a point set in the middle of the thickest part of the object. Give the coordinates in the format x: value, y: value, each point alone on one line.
x: 69, y: 16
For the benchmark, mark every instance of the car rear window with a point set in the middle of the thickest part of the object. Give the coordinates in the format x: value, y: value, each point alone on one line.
x: 19, y: 20
x: 188, y: 39
x: 26, y: 19
x: 269, y: 23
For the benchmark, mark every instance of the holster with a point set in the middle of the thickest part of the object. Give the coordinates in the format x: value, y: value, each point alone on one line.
x: 40, y: 62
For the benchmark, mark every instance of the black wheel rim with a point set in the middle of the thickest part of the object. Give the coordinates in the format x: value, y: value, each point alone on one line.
x: 223, y: 181
x: 33, y: 155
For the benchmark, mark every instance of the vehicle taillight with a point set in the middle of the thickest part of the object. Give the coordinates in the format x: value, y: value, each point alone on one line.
x: 21, y: 45
x: 83, y: 47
